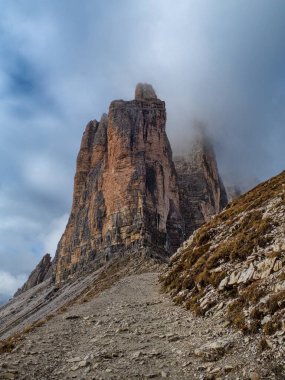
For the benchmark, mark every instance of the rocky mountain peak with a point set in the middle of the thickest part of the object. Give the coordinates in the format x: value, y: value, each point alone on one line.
x: 42, y: 272
x: 126, y: 196
x: 202, y: 192
x: 77, y: 316
x: 144, y: 91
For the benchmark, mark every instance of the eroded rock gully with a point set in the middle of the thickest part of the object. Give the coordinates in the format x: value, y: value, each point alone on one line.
x: 132, y: 331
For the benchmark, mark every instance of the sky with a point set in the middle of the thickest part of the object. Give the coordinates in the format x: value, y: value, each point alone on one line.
x: 221, y: 62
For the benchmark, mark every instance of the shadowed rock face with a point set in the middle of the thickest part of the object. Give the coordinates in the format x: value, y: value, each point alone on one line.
x: 42, y: 272
x: 202, y: 193
x: 125, y: 190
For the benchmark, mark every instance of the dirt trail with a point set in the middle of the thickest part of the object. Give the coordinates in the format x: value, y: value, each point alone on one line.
x: 132, y: 331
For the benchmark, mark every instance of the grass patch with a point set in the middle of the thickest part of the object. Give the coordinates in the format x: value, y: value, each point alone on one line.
x: 230, y: 237
x: 9, y: 344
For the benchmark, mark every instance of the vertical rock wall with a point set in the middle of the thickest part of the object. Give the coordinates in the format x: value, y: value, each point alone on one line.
x: 126, y: 195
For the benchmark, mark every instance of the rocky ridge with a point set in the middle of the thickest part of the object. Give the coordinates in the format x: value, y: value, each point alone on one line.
x: 234, y: 266
x: 42, y: 272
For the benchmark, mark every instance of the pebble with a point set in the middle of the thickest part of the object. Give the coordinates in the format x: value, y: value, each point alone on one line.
x: 135, y: 341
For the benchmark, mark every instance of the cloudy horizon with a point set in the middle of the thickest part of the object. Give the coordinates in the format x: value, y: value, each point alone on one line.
x: 62, y: 63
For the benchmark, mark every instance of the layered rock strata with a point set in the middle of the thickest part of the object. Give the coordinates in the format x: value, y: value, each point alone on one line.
x: 127, y: 196
x: 125, y: 190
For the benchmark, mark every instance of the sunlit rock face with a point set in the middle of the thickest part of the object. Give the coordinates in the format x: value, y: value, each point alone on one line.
x: 126, y: 196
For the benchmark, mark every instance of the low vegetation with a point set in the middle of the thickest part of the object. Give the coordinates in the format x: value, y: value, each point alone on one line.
x: 9, y: 344
x: 243, y: 230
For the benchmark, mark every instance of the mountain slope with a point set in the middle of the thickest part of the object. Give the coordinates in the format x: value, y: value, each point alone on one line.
x: 114, y: 323
x: 47, y: 299
x: 235, y: 264
x: 132, y: 331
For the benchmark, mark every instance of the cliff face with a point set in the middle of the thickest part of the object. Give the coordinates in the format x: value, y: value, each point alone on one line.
x: 125, y: 190
x: 127, y: 195
x: 42, y: 272
x: 201, y: 190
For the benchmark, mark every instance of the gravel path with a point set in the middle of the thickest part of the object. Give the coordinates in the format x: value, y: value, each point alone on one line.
x: 132, y: 331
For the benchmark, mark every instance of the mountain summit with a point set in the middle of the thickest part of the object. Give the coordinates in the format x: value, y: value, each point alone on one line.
x: 201, y: 189
x: 129, y: 196
x: 125, y: 189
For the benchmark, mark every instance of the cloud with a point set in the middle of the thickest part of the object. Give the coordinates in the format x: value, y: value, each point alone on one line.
x: 9, y: 284
x: 56, y: 229
x: 63, y: 62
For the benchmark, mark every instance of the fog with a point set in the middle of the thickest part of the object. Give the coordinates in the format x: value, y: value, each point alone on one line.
x: 222, y: 63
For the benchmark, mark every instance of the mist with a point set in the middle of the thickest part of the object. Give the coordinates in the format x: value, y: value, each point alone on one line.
x: 62, y: 63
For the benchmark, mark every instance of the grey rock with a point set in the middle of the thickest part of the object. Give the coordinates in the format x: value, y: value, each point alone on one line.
x: 42, y: 272
x: 144, y: 91
x: 202, y: 192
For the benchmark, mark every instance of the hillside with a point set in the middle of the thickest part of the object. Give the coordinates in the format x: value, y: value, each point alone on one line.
x: 96, y: 311
x: 132, y: 331
x: 115, y: 323
x: 234, y: 265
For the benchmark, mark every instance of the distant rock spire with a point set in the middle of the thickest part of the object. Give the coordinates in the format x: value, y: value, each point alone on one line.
x: 145, y: 91
x: 41, y: 273
x: 202, y: 192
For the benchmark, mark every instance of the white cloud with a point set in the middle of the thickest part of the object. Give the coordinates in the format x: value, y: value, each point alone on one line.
x: 9, y: 284
x: 16, y: 222
x: 56, y: 229
x: 45, y: 174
